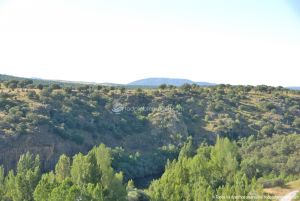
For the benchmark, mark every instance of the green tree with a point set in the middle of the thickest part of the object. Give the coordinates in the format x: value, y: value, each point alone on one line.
x: 9, y: 185
x: 213, y: 171
x: 81, y: 170
x: 45, y: 186
x: 61, y: 192
x: 62, y: 168
x: 2, y: 184
x: 27, y: 178
x: 111, y: 182
x: 267, y: 130
x: 296, y: 122
x: 162, y: 86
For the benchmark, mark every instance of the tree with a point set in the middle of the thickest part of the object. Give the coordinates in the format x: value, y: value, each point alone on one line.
x: 122, y: 90
x: 112, y: 183
x: 45, y: 187
x: 296, y: 122
x: 55, y: 86
x: 27, y: 178
x: 62, y: 168
x: 25, y: 83
x: 213, y: 171
x: 81, y: 170
x: 9, y: 185
x: 186, y: 87
x: 130, y: 185
x: 267, y: 130
x: 2, y: 184
x: 40, y: 86
x: 186, y: 150
x: 32, y: 95
x: 162, y: 86
x: 61, y: 192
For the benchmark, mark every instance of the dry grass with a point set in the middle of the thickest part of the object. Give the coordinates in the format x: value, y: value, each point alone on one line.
x: 280, y: 191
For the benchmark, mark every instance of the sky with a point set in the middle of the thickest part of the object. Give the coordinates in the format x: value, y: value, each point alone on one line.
x: 220, y: 41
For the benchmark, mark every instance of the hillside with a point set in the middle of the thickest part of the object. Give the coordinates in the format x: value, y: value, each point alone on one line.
x: 147, y: 127
x: 45, y: 82
x: 150, y: 124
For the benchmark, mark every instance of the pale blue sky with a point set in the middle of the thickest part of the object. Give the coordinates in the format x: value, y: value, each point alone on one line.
x: 232, y: 41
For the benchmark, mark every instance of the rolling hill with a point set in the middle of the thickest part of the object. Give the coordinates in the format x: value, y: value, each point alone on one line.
x: 145, y: 127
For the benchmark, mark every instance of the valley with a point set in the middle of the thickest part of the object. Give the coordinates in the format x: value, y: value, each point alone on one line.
x: 145, y: 129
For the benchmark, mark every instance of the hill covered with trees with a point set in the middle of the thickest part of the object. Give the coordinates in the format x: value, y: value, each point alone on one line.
x: 147, y: 127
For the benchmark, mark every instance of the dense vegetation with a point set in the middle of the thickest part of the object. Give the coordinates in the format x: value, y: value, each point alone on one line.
x: 209, y: 174
x: 55, y: 121
x: 229, y: 170
x: 275, y: 160
x: 85, y: 177
x: 212, y: 173
x: 222, y: 171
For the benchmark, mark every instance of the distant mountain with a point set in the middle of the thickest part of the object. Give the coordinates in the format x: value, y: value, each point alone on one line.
x: 45, y: 81
x: 294, y: 88
x: 168, y: 81
x: 143, y: 83
x: 110, y: 84
x: 9, y: 77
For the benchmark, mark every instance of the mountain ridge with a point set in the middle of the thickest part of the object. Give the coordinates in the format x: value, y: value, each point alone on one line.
x: 151, y: 82
x: 156, y: 81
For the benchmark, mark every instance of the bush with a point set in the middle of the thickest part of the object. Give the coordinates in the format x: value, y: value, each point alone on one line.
x: 55, y: 86
x: 32, y: 95
x: 267, y: 106
x: 296, y: 122
x: 162, y: 86
x: 271, y: 183
x: 267, y: 130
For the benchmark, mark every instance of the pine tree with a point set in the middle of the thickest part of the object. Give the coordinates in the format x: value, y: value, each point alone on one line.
x: 62, y: 168
x: 80, y: 169
x: 2, y: 184
x: 212, y: 172
x: 45, y: 186
x: 27, y: 178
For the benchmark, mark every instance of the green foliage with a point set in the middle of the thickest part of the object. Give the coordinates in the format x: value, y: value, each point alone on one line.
x: 63, y: 168
x: 32, y: 95
x: 267, y: 130
x: 88, y: 177
x: 296, y: 122
x: 82, y: 169
x: 134, y: 194
x: 162, y: 86
x: 160, y: 122
x: 2, y: 184
x: 297, y: 197
x: 206, y: 174
x: 271, y: 158
x: 20, y: 186
x: 212, y: 172
x: 72, y: 110
x: 45, y: 186
x: 142, y: 167
x: 267, y: 106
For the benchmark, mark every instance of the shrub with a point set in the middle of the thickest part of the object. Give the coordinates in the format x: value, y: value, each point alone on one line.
x: 272, y: 183
x: 267, y: 130
x: 32, y: 95
x: 296, y: 122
